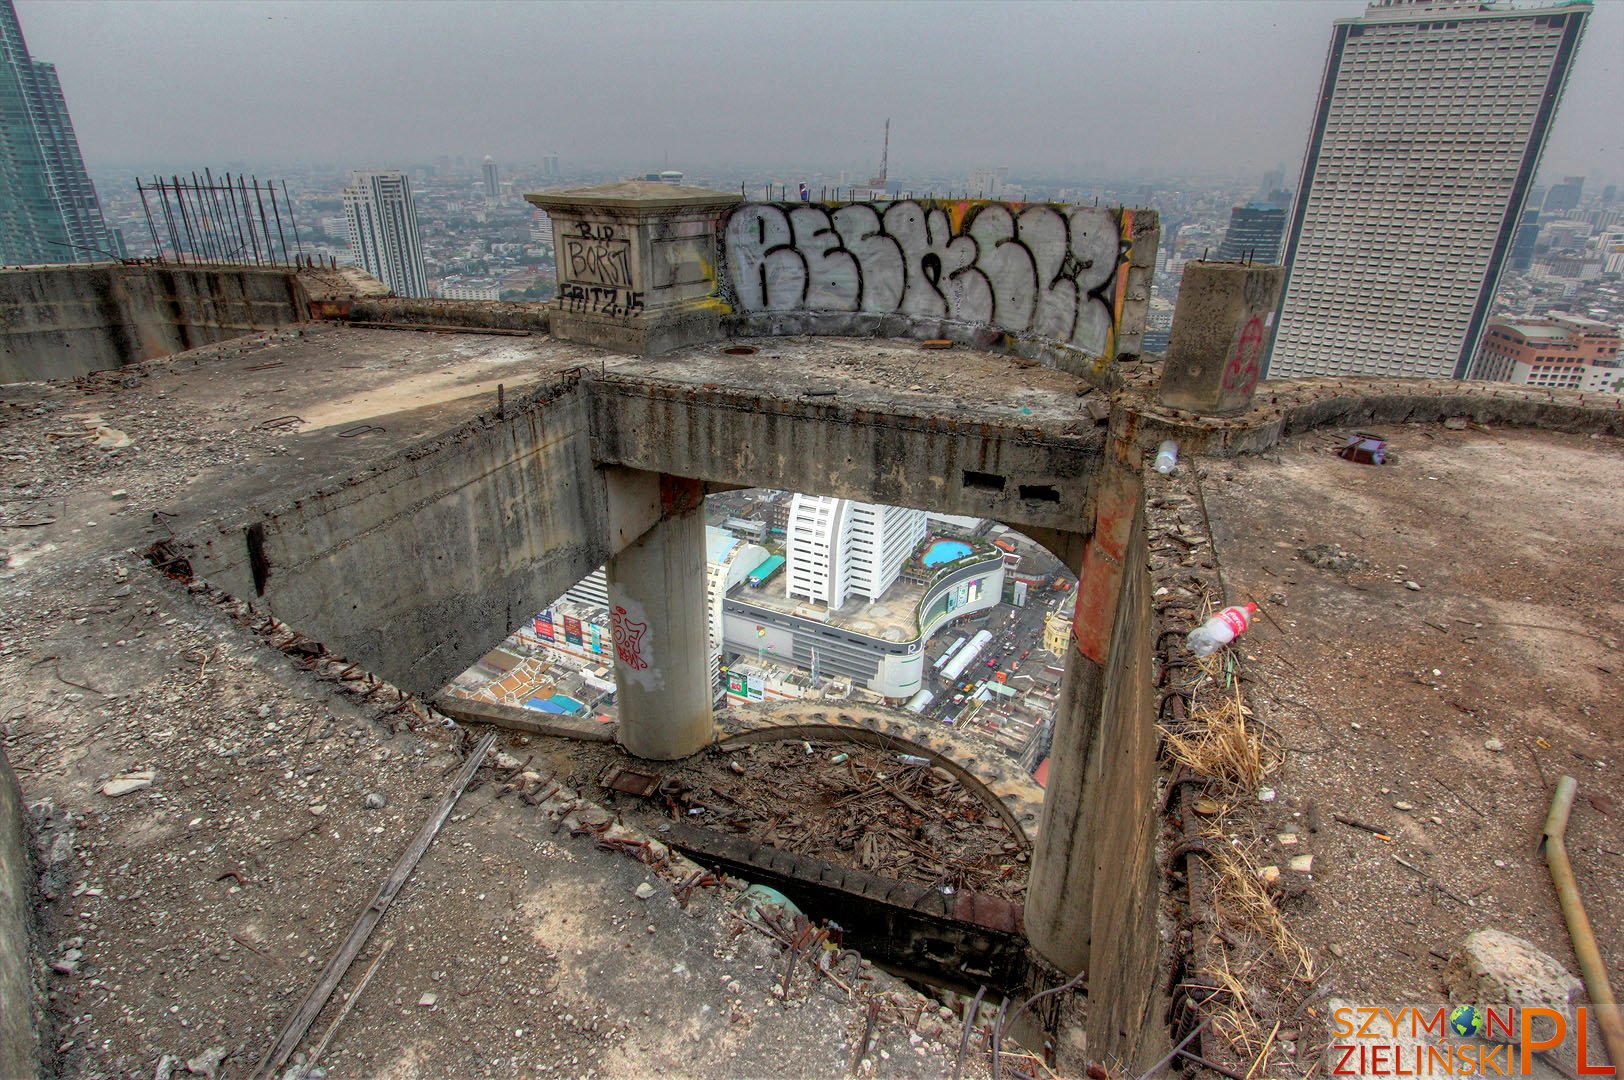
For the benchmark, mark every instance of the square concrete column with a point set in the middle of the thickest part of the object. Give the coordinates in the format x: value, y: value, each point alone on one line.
x: 1221, y: 332
x: 636, y: 264
x: 657, y: 618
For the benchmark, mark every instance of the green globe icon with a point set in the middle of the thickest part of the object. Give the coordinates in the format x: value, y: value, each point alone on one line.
x: 1466, y: 1020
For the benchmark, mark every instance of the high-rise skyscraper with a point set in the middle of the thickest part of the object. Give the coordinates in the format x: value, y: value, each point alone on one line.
x: 835, y: 548
x: 382, y: 220
x: 492, y: 187
x: 1254, y: 232
x: 1431, y: 121
x: 48, y: 206
x: 1564, y: 196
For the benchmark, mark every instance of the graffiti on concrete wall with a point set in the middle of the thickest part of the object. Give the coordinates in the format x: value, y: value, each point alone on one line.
x: 1044, y: 270
x: 1241, y: 373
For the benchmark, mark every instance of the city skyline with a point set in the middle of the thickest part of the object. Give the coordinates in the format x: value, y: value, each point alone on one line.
x: 1194, y: 110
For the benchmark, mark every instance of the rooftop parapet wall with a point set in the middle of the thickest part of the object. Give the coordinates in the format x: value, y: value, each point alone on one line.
x: 1285, y: 407
x: 60, y: 322
x: 1064, y: 285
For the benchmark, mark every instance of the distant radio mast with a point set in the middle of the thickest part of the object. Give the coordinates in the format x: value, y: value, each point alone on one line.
x: 878, y: 182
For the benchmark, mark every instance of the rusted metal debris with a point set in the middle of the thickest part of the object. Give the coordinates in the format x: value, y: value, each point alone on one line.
x: 632, y: 782
x: 294, y: 1031
x: 869, y: 810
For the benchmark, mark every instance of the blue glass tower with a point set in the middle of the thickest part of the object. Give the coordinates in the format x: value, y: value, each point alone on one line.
x: 48, y: 207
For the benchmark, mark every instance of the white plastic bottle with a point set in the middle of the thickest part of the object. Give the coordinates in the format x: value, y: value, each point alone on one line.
x: 1167, y: 456
x: 1221, y: 629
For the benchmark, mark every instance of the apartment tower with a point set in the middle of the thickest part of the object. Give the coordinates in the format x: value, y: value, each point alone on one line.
x: 838, y: 548
x: 1431, y: 121
x: 382, y: 221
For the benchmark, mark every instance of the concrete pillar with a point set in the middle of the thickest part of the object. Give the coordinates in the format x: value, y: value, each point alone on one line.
x: 1060, y: 894
x: 1221, y: 332
x: 636, y: 264
x: 657, y: 620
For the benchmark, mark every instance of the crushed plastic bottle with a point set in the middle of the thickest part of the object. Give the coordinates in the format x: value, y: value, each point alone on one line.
x: 1167, y: 456
x: 1221, y: 629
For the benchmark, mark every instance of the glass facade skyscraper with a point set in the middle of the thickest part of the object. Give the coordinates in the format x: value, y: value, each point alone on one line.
x: 48, y: 207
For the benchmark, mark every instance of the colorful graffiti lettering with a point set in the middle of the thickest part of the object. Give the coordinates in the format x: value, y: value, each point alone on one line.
x: 1045, y: 270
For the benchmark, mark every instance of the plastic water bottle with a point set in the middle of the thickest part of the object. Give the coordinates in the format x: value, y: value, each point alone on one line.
x: 1221, y: 629
x: 1167, y: 456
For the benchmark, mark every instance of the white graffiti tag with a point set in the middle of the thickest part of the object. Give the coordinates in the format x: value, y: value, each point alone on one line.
x: 1045, y: 270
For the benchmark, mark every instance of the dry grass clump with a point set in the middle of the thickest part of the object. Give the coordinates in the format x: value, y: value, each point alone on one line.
x: 1218, y: 739
x: 1221, y: 738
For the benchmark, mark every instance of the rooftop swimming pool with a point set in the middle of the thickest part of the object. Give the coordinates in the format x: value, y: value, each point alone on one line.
x: 945, y: 551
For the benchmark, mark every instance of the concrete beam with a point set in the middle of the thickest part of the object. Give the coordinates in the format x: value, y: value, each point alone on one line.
x: 1029, y: 477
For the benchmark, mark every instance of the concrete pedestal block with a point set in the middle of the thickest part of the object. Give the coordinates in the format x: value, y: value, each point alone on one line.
x: 657, y: 620
x: 1221, y: 332
x: 636, y: 264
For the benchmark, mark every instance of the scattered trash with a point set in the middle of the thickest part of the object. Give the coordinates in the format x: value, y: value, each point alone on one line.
x: 1375, y: 830
x: 1268, y: 874
x: 110, y: 438
x: 840, y: 758
x: 754, y: 897
x: 1302, y: 864
x: 1167, y: 457
x: 936, y: 343
x: 1265, y: 794
x: 912, y: 759
x: 695, y: 811
x: 808, y: 748
x: 1331, y: 557
x: 1208, y: 807
x: 738, y: 770
x: 644, y: 891
x: 1221, y: 629
x: 1493, y: 746
x: 427, y: 1001
x: 124, y: 783
x: 1364, y: 449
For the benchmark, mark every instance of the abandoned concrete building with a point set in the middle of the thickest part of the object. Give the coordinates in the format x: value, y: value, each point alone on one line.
x: 256, y: 519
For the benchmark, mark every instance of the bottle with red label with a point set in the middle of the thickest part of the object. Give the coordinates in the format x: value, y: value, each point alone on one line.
x: 1221, y: 629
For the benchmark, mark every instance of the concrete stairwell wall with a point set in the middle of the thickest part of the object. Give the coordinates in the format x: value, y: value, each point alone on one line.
x: 420, y: 564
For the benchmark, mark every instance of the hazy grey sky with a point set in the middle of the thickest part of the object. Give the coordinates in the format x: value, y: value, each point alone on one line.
x: 1110, y: 87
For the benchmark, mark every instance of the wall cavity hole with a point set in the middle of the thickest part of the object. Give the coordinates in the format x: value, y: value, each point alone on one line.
x: 741, y: 350
x: 983, y: 481
x: 1039, y: 493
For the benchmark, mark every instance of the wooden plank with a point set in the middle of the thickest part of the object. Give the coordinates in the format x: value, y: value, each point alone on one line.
x: 294, y: 1032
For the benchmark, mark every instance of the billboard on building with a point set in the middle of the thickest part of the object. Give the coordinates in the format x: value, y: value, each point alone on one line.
x: 594, y: 637
x: 544, y: 625
x: 572, y: 630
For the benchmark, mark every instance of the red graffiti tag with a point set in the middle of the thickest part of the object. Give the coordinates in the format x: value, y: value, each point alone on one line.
x: 628, y: 636
x: 1241, y: 373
